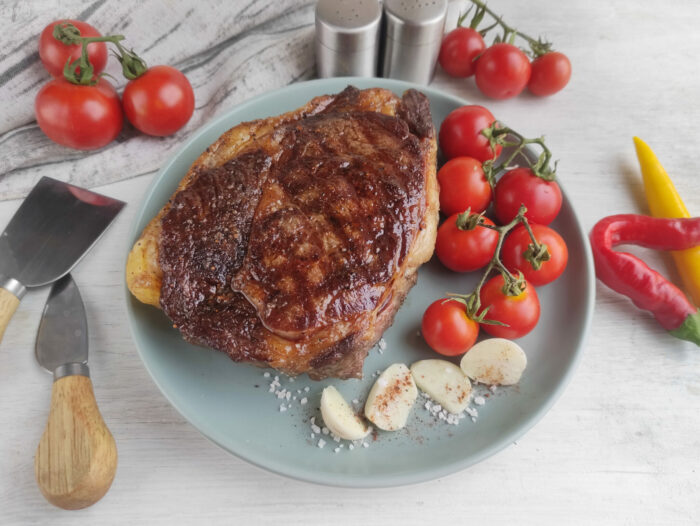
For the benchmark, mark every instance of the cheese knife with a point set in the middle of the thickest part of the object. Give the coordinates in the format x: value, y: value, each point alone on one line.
x: 77, y: 457
x: 51, y: 231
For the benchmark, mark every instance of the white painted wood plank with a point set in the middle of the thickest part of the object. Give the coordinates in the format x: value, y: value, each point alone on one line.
x: 620, y: 447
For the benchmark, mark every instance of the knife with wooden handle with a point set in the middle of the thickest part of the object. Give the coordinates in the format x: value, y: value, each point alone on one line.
x: 51, y: 231
x: 76, y: 459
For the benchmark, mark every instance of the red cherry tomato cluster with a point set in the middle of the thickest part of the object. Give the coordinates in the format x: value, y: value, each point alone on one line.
x: 517, y: 245
x: 80, y: 109
x: 502, y: 70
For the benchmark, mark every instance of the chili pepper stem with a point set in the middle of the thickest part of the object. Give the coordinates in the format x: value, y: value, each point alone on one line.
x: 689, y: 329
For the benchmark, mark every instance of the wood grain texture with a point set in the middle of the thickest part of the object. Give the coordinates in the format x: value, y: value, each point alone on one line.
x: 76, y: 458
x: 8, y: 305
x: 621, y: 445
x: 229, y: 51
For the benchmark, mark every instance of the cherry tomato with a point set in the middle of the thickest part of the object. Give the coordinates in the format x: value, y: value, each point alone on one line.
x: 465, y: 250
x: 81, y: 117
x: 518, y: 241
x: 54, y: 54
x: 458, y: 51
x: 520, y: 186
x: 460, y: 134
x: 160, y: 101
x: 550, y: 73
x: 447, y: 328
x: 463, y: 185
x: 502, y: 71
x: 520, y: 313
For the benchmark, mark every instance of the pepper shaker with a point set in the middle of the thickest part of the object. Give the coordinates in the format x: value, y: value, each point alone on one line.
x: 412, y: 39
x: 347, y: 37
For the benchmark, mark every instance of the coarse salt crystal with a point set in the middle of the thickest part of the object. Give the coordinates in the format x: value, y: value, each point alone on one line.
x: 351, y: 447
x: 355, y: 401
x: 321, y: 443
x: 493, y: 388
x: 479, y: 400
x: 324, y: 430
x: 303, y: 401
x: 266, y: 375
x: 306, y: 389
x: 283, y: 408
x: 336, y: 450
x: 315, y: 428
x: 382, y: 344
x: 365, y: 444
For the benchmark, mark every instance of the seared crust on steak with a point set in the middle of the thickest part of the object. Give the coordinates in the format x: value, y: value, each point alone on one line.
x: 292, y: 241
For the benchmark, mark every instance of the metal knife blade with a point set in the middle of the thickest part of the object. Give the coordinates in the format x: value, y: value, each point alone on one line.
x: 63, y: 331
x: 52, y: 230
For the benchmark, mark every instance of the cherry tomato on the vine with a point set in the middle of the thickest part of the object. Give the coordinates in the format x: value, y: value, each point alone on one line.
x: 502, y: 71
x: 465, y: 250
x: 458, y: 51
x: 160, y: 101
x: 463, y: 185
x: 520, y: 313
x: 82, y: 117
x: 517, y: 243
x: 447, y: 328
x: 460, y: 134
x: 521, y: 186
x: 550, y: 73
x: 54, y: 53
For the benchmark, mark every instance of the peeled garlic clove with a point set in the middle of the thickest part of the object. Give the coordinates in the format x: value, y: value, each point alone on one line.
x: 391, y: 398
x: 495, y: 361
x: 444, y: 382
x: 339, y: 417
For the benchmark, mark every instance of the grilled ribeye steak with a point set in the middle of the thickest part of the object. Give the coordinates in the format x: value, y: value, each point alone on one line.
x: 292, y: 241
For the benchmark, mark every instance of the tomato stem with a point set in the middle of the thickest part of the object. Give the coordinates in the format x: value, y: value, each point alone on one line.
x: 497, y: 134
x: 536, y: 253
x: 538, y: 47
x: 81, y: 71
x: 513, y: 285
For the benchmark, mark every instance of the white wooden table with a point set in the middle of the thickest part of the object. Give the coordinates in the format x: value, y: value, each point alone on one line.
x: 622, y: 445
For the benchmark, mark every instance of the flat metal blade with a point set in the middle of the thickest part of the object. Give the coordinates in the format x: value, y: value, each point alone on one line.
x: 52, y: 230
x: 63, y: 331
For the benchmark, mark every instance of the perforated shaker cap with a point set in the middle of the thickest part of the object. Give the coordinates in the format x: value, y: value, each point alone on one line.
x: 348, y: 25
x: 415, y: 22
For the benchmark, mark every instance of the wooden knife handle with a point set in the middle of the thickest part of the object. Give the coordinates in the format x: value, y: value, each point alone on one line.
x: 77, y: 457
x: 8, y: 306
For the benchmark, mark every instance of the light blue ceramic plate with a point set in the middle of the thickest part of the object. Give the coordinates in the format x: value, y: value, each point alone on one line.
x: 230, y: 403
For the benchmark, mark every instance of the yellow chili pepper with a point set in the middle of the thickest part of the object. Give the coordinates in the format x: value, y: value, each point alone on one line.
x: 664, y: 201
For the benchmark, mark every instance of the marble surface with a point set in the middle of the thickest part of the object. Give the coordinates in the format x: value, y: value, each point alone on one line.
x: 622, y: 445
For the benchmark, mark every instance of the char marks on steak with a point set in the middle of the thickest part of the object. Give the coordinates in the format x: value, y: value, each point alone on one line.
x: 294, y: 252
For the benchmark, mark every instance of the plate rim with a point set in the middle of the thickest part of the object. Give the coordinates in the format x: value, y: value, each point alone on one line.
x: 330, y: 479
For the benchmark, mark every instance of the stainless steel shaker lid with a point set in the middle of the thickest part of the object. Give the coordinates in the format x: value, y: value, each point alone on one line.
x: 348, y: 25
x: 415, y: 22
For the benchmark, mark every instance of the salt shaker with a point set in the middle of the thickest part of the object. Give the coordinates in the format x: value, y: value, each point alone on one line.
x: 413, y: 36
x: 347, y: 37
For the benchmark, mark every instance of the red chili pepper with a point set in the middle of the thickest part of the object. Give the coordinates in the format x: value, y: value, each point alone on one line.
x: 629, y: 275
